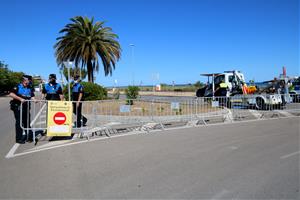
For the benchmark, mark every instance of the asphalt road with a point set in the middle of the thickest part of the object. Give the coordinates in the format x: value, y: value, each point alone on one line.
x: 249, y: 160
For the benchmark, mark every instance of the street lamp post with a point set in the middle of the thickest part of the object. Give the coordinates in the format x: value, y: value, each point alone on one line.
x: 173, y: 84
x: 69, y: 64
x: 132, y: 61
x: 80, y: 73
x: 155, y: 78
x: 61, y: 76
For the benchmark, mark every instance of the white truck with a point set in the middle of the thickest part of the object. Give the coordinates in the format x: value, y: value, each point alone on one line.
x: 237, y: 91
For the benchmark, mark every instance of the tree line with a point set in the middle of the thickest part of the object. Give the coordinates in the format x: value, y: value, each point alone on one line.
x: 8, y: 78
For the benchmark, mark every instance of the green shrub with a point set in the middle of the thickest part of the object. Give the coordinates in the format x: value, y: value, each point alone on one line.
x: 92, y: 91
x: 132, y: 92
x: 178, y: 111
x: 160, y: 109
x: 178, y: 90
x: 8, y: 78
x: 198, y: 84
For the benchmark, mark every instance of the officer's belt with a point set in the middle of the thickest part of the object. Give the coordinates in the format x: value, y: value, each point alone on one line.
x: 24, y: 97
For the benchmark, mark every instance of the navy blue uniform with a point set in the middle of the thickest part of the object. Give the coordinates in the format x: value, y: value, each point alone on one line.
x: 76, y: 90
x: 15, y: 105
x: 52, y: 91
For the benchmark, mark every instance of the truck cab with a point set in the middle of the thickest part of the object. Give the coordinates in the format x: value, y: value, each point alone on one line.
x: 236, y: 91
x: 234, y: 80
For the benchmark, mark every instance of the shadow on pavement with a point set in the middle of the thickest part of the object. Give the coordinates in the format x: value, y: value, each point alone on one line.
x: 58, y: 138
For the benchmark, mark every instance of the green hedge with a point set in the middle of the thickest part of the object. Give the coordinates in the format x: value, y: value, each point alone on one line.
x: 92, y: 91
x: 132, y: 92
x: 9, y: 79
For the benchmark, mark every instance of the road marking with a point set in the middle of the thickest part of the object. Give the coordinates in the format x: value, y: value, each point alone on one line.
x: 289, y: 155
x: 75, y: 136
x: 37, y: 115
x: 40, y: 123
x: 70, y: 144
x: 49, y: 144
x: 11, y: 152
x: 138, y: 132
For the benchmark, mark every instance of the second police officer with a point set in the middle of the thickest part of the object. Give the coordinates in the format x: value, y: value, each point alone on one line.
x: 52, y: 90
x: 77, y: 98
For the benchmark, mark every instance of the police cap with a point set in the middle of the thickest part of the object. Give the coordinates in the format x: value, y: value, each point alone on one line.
x: 28, y: 77
x: 24, y: 79
x: 52, y: 76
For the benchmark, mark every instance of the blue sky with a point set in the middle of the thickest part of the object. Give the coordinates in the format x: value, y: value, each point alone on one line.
x: 179, y: 39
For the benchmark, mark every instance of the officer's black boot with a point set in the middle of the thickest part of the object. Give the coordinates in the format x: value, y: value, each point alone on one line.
x: 30, y: 136
x: 84, y: 119
x: 19, y: 132
x: 21, y: 139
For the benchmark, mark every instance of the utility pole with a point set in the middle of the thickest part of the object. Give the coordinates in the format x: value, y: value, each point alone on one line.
x: 132, y: 61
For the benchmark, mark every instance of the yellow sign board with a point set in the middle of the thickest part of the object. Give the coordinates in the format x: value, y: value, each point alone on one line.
x: 59, y: 119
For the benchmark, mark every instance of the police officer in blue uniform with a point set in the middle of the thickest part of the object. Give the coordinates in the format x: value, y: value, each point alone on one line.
x: 52, y: 90
x: 20, y: 94
x: 30, y: 82
x: 77, y: 97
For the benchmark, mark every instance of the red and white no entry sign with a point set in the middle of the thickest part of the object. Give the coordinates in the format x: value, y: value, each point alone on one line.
x: 59, y: 118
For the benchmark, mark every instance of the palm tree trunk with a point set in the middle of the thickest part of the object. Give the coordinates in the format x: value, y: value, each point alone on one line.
x: 90, y: 71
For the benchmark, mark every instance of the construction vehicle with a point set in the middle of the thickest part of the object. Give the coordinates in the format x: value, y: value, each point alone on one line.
x: 238, y: 93
x: 295, y: 90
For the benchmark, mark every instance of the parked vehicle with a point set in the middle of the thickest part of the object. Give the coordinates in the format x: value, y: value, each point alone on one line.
x: 238, y: 92
x: 296, y: 93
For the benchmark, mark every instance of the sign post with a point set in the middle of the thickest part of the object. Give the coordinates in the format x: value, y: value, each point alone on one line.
x: 59, y: 119
x: 68, y: 64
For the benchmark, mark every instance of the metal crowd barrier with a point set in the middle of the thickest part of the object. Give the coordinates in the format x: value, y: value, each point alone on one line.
x: 33, y: 117
x: 143, y: 114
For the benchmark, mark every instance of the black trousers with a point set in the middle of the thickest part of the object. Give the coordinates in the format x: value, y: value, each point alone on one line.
x: 221, y: 92
x: 25, y: 121
x: 78, y: 112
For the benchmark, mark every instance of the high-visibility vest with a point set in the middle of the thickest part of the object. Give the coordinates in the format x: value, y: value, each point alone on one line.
x: 223, y: 85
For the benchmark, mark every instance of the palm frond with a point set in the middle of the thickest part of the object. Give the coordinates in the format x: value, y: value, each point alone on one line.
x: 84, y: 42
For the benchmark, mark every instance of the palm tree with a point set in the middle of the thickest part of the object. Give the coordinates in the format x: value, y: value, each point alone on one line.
x: 84, y: 42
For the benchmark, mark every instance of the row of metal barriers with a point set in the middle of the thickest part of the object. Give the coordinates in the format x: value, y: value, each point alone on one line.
x: 107, y: 117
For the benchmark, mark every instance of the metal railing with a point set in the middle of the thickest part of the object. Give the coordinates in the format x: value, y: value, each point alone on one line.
x: 35, y: 110
x: 160, y: 113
